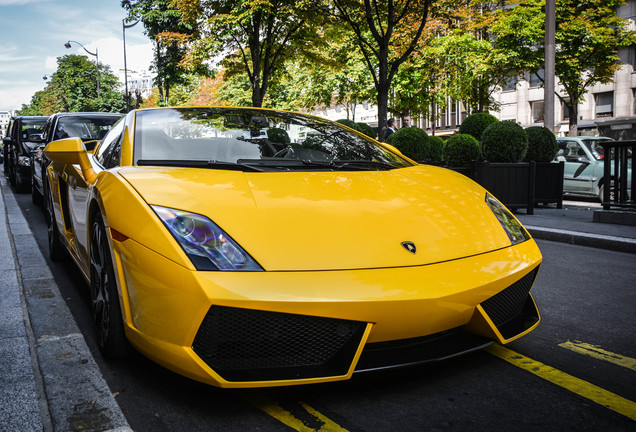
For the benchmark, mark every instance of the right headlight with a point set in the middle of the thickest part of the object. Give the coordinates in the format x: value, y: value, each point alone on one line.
x: 207, y: 245
x: 516, y: 232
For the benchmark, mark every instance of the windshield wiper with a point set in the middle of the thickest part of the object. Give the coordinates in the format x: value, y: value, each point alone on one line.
x: 362, y: 164
x: 199, y: 164
x: 335, y: 164
x: 286, y: 163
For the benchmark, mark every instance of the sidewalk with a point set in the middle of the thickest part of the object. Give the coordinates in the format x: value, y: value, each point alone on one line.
x: 49, y: 380
x: 574, y: 224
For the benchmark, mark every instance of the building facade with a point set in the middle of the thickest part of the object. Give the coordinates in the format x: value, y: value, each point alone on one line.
x: 5, y: 116
x: 608, y: 109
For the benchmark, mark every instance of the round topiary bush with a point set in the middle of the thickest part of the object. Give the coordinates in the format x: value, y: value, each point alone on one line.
x: 349, y: 123
x: 435, y: 149
x: 475, y: 124
x: 461, y: 150
x: 414, y: 143
x: 542, y: 144
x: 278, y: 136
x: 366, y: 129
x: 504, y: 141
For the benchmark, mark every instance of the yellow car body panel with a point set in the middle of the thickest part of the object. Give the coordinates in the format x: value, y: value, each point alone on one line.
x: 329, y: 244
x: 338, y: 220
x: 400, y: 303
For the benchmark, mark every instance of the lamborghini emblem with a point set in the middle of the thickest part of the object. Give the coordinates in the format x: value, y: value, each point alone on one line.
x: 409, y: 246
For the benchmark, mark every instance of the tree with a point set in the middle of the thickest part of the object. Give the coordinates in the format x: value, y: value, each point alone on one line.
x: 253, y: 36
x: 73, y: 88
x: 162, y: 20
x: 588, y: 37
x: 328, y: 72
x: 386, y: 33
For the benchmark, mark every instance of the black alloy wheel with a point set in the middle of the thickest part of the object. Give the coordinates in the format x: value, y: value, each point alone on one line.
x: 109, y: 324
x: 21, y: 184
x: 56, y: 253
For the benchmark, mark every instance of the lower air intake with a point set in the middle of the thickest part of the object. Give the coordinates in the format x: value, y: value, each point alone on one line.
x: 512, y: 310
x: 252, y: 345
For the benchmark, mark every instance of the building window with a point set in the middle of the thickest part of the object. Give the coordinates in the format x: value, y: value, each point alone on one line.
x: 536, y: 80
x: 537, y: 109
x: 565, y: 111
x: 509, y: 84
x: 604, y: 104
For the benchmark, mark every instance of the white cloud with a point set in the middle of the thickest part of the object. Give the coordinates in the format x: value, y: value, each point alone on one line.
x: 50, y: 64
x: 12, y: 97
x: 17, y: 2
x: 111, y: 52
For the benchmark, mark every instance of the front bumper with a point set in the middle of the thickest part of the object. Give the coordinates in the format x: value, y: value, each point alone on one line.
x: 280, y: 328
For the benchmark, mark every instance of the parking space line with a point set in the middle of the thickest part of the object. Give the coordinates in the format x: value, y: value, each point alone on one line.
x: 303, y: 419
x: 575, y: 385
x: 598, y: 353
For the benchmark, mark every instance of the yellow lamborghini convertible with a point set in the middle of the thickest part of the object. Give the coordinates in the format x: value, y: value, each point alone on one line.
x: 246, y: 247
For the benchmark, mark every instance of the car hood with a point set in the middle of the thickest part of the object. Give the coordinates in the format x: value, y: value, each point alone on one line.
x: 290, y: 221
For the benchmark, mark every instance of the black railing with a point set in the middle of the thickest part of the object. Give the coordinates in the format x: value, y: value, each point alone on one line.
x: 618, y: 182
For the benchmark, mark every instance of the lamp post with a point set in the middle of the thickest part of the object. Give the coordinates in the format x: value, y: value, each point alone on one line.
x: 124, y: 27
x: 68, y: 46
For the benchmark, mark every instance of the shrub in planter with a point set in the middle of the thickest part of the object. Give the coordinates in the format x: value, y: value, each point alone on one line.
x: 542, y: 144
x: 437, y: 142
x: 278, y: 136
x: 504, y: 141
x: 349, y: 123
x: 414, y: 143
x: 475, y: 124
x: 366, y: 129
x: 461, y: 150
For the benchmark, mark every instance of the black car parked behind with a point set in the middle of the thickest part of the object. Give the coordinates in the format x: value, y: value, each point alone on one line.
x: 89, y: 126
x: 18, y: 149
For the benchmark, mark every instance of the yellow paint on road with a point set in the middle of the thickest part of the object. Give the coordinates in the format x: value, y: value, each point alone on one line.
x: 273, y: 408
x: 598, y: 353
x: 582, y: 388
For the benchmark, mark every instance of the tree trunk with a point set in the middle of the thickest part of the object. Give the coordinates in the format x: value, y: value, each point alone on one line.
x: 383, y: 87
x: 574, y: 115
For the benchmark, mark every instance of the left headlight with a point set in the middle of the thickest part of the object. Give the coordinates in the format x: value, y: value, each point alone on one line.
x: 207, y: 245
x: 516, y: 232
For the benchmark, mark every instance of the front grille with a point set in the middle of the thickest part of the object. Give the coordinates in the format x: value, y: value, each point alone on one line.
x: 509, y: 303
x: 424, y: 349
x: 512, y: 310
x: 252, y: 345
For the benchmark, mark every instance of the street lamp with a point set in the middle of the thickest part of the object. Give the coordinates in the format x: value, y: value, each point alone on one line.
x: 124, y: 27
x: 68, y: 46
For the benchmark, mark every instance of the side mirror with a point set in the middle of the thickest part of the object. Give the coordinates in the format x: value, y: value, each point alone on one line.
x: 36, y: 138
x: 584, y: 160
x: 6, y: 140
x: 71, y: 151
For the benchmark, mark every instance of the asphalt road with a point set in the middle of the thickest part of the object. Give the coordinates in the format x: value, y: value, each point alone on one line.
x: 576, y: 371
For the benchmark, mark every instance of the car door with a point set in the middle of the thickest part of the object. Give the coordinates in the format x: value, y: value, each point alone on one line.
x: 79, y: 193
x: 7, y: 143
x: 578, y: 175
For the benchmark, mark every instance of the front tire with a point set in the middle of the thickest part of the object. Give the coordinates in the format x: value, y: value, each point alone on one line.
x: 109, y: 324
x: 56, y: 253
x: 22, y: 185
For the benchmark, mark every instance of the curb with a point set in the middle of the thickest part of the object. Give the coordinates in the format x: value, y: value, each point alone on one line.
x: 72, y: 394
x: 619, y: 244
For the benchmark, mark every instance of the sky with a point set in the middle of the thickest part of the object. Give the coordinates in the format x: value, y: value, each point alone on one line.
x: 33, y: 34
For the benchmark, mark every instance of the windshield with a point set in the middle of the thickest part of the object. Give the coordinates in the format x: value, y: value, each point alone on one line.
x: 596, y: 147
x: 87, y: 128
x: 261, y: 140
x: 32, y: 126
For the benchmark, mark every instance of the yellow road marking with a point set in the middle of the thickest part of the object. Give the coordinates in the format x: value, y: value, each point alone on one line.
x: 582, y: 388
x: 598, y: 353
x: 274, y: 409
